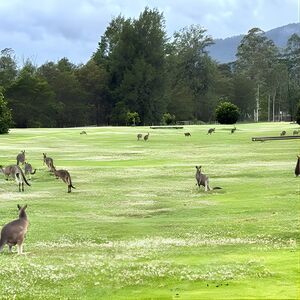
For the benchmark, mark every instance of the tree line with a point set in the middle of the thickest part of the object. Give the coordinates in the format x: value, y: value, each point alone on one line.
x: 138, y: 74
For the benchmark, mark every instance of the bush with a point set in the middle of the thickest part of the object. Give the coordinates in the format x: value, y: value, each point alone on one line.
x: 5, y: 116
x: 227, y: 113
x: 298, y: 114
x: 169, y: 119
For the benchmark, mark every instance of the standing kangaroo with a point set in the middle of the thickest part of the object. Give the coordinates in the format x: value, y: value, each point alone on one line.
x: 15, y: 171
x: 49, y: 162
x: 66, y: 178
x: 297, y: 169
x: 139, y: 136
x: 146, y: 137
x: 203, y: 180
x: 21, y: 158
x: 14, y: 232
x: 211, y: 130
x: 233, y: 130
x: 28, y: 170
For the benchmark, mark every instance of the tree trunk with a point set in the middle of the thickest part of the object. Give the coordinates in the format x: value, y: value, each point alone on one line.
x: 274, y: 96
x: 269, y: 112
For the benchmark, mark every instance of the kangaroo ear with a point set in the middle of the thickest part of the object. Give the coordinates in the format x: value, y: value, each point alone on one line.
x: 19, y: 207
x: 25, y: 206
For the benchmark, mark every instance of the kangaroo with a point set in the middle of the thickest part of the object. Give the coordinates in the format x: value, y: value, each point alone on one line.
x: 66, y: 178
x: 146, y: 137
x: 283, y: 133
x: 21, y: 158
x: 297, y: 169
x: 28, y: 170
x: 15, y: 171
x: 203, y: 180
x: 14, y: 232
x: 139, y: 136
x: 211, y: 130
x: 49, y: 162
x: 295, y: 132
x: 233, y: 130
x: 187, y: 134
x: 83, y: 132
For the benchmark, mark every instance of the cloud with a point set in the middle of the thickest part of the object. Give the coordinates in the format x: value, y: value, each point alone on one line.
x: 51, y: 29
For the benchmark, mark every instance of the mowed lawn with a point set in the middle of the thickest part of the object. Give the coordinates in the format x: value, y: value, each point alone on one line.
x: 137, y: 227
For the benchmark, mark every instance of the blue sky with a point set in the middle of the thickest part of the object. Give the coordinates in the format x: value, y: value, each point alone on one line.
x: 52, y: 29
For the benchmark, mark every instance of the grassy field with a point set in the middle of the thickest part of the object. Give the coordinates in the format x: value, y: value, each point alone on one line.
x: 137, y: 227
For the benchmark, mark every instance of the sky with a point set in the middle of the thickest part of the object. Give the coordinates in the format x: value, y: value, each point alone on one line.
x: 48, y: 30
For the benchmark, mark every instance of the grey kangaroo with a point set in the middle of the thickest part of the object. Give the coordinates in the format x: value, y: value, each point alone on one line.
x: 187, y: 134
x: 139, y: 136
x: 297, y: 169
x: 233, y: 130
x: 295, y: 132
x: 16, y: 172
x: 146, y: 137
x: 83, y: 132
x: 21, y: 158
x: 14, y: 232
x: 49, y: 162
x: 283, y: 133
x: 29, y: 170
x: 211, y: 130
x: 203, y: 180
x: 66, y: 178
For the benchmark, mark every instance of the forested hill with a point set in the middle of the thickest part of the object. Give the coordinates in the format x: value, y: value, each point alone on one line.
x: 224, y: 50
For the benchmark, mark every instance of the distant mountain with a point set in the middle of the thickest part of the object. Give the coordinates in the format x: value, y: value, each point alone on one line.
x: 224, y: 50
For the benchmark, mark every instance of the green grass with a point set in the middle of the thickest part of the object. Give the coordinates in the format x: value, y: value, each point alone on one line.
x: 137, y: 227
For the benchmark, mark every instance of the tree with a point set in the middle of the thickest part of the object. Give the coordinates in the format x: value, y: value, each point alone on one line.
x: 256, y: 56
x: 169, y: 119
x: 8, y: 67
x: 132, y: 118
x: 227, y: 113
x: 5, y: 116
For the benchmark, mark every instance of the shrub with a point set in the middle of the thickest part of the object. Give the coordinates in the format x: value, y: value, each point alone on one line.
x: 5, y: 116
x: 132, y: 118
x: 227, y: 113
x: 169, y: 119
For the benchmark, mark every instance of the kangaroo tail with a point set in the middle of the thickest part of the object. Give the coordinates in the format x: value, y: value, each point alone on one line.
x: 33, y: 172
x: 24, y: 178
x: 217, y: 188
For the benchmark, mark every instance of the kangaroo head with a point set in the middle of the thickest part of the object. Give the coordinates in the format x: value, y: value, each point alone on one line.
x: 298, y: 156
x: 22, y: 210
x: 198, y: 168
x: 44, y: 155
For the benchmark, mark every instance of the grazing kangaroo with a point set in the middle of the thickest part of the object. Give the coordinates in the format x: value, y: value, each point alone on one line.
x: 21, y: 158
x: 15, y: 171
x: 233, y: 130
x: 203, y: 180
x: 295, y: 132
x: 83, y: 132
x: 283, y: 133
x: 297, y: 169
x: 187, y: 134
x: 139, y: 136
x: 14, y: 232
x: 146, y: 137
x: 211, y: 130
x: 49, y: 162
x: 28, y: 170
x: 66, y: 178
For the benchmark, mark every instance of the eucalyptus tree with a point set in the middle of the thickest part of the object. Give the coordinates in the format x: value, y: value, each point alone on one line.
x: 256, y: 55
x: 8, y: 67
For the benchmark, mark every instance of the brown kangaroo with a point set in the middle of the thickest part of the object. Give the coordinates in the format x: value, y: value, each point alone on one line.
x: 14, y: 232
x: 283, y: 133
x: 233, y: 130
x: 49, y: 162
x: 16, y: 172
x: 146, y: 137
x: 187, y: 134
x: 139, y: 136
x: 295, y: 132
x: 83, y: 132
x: 66, y: 178
x: 297, y: 169
x: 29, y: 170
x: 211, y: 130
x: 21, y: 158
